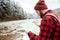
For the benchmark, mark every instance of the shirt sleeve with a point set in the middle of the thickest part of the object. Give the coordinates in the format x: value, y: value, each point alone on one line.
x: 45, y: 30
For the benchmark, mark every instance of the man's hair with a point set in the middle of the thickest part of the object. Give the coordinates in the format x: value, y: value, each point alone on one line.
x: 40, y: 5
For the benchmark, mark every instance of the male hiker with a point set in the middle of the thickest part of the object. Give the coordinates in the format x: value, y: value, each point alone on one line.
x: 50, y: 26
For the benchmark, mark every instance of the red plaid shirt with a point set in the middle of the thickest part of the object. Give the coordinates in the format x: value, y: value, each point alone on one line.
x: 49, y: 29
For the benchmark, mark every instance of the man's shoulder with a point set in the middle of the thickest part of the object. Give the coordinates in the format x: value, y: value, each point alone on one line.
x: 48, y: 17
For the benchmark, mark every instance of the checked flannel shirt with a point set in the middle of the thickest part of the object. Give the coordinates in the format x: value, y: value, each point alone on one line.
x: 49, y: 29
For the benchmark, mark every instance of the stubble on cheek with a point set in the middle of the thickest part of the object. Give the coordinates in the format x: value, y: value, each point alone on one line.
x: 41, y: 15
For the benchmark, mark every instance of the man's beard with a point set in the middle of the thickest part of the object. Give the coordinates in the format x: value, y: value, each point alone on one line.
x: 41, y: 15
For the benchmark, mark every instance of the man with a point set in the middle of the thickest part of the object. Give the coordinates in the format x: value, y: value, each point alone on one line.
x: 50, y: 26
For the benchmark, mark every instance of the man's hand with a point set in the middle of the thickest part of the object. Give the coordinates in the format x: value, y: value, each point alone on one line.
x: 27, y: 31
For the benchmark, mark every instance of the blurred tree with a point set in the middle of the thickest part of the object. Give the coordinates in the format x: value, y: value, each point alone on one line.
x: 11, y: 10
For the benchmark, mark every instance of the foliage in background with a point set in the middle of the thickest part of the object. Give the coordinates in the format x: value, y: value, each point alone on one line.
x: 9, y: 10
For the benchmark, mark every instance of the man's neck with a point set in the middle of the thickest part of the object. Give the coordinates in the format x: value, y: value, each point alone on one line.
x: 43, y: 11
